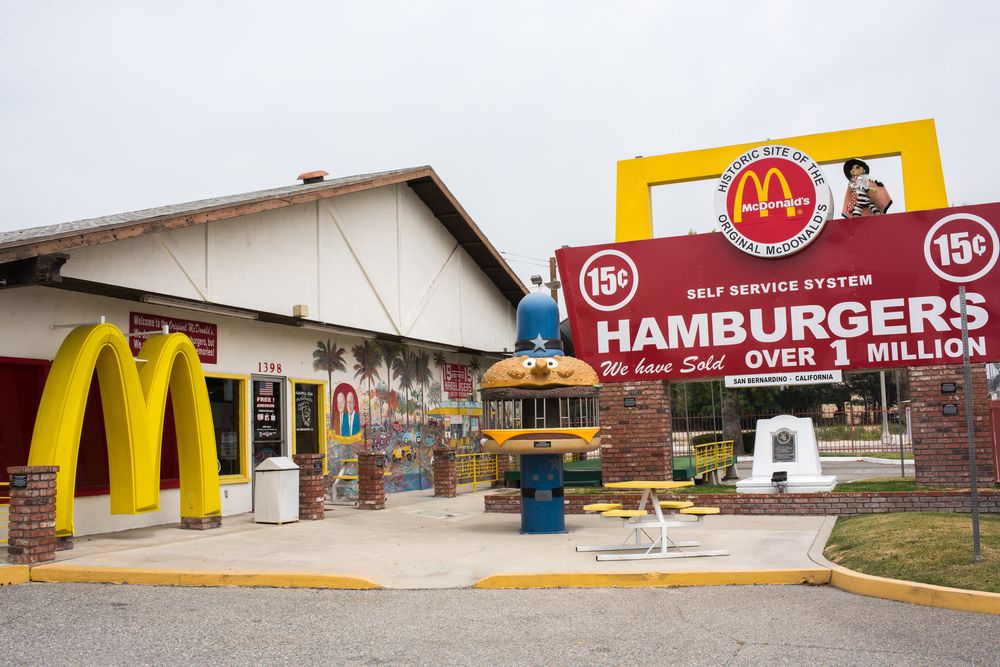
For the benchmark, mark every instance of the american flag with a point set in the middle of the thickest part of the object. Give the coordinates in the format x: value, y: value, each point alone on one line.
x: 266, y: 389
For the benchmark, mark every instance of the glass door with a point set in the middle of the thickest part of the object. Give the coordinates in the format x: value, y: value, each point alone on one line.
x: 268, y: 418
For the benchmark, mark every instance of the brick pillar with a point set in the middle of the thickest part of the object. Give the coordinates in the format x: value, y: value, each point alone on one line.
x: 635, y: 441
x: 31, y: 534
x: 940, y: 442
x: 311, y: 495
x: 371, y: 484
x: 503, y: 465
x: 445, y: 479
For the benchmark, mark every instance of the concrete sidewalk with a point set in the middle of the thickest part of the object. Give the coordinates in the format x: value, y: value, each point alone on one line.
x: 420, y: 541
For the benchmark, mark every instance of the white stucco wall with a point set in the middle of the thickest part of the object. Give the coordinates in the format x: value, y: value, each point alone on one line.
x: 376, y: 260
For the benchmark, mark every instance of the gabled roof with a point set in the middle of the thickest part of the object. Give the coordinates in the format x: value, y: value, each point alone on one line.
x: 36, y: 242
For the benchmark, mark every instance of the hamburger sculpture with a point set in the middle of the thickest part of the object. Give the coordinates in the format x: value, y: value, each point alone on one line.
x: 540, y: 405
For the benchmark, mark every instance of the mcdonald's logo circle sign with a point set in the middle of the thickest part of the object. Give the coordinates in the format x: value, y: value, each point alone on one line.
x: 772, y: 201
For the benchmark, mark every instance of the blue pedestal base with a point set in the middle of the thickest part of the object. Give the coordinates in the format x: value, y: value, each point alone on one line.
x: 542, y: 508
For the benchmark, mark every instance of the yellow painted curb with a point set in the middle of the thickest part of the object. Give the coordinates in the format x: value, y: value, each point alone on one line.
x: 14, y: 574
x: 656, y: 579
x: 914, y: 592
x: 115, y: 575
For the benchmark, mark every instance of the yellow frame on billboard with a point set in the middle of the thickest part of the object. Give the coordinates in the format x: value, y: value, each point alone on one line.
x: 915, y: 142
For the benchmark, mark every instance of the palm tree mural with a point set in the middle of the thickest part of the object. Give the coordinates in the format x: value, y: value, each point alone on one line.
x: 475, y: 366
x: 439, y: 359
x: 366, y: 369
x: 403, y: 370
x: 423, y: 376
x: 388, y: 351
x: 329, y: 357
x: 434, y: 393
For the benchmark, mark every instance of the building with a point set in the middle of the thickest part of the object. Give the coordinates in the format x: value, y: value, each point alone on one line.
x: 326, y: 315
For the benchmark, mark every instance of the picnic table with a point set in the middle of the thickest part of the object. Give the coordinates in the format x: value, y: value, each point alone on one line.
x: 640, y: 523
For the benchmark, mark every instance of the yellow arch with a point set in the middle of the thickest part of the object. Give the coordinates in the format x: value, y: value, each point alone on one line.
x: 914, y: 141
x: 762, y: 189
x: 133, y: 403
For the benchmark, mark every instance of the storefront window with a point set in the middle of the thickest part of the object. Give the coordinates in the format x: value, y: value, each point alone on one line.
x: 226, y: 397
x: 310, y: 419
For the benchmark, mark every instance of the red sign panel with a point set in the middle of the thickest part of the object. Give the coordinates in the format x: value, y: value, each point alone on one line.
x: 457, y: 380
x: 205, y: 336
x: 870, y: 292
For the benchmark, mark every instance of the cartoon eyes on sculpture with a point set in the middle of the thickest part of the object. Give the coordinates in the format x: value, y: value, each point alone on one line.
x: 528, y: 363
x: 552, y: 363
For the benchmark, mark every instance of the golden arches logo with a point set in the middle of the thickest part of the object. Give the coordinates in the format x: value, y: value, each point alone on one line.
x: 762, y: 189
x: 134, y: 397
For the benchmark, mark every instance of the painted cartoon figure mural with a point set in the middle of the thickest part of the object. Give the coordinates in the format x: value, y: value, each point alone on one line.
x: 394, y: 402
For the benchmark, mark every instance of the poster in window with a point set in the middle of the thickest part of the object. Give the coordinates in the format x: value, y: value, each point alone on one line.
x: 306, y: 416
x: 266, y: 410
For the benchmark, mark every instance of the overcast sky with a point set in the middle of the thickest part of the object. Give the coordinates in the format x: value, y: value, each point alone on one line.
x: 523, y: 108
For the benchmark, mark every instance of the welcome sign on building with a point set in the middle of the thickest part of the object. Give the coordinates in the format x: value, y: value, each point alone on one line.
x: 870, y: 292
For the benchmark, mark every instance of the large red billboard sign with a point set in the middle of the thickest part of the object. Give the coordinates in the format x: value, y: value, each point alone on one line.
x: 870, y: 292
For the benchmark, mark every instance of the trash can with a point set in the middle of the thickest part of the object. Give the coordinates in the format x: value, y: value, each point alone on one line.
x: 276, y: 491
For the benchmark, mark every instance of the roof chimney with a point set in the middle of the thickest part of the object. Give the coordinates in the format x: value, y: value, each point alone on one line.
x: 312, y: 177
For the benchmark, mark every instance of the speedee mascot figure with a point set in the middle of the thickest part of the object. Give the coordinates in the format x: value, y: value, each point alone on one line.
x: 865, y: 195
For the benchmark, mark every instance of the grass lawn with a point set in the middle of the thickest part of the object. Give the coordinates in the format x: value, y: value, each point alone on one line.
x: 929, y: 547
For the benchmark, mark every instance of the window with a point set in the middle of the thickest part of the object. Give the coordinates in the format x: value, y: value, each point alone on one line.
x: 309, y: 436
x: 227, y: 395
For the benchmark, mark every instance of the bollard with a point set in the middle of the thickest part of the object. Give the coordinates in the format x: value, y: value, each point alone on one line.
x: 445, y: 479
x: 311, y: 496
x: 371, y: 485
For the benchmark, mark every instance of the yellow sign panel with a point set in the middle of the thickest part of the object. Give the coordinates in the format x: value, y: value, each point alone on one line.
x: 133, y: 401
x: 915, y: 142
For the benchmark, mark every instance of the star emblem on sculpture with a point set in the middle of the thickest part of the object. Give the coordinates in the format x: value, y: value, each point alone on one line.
x: 539, y: 342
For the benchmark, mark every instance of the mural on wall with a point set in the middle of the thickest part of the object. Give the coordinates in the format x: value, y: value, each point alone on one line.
x: 397, y: 404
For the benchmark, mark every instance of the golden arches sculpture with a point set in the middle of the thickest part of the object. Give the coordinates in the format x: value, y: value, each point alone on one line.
x: 133, y: 397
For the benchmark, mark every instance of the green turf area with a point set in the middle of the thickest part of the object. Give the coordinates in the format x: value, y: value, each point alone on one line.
x: 929, y: 547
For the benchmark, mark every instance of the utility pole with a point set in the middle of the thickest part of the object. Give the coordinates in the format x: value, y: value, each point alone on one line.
x: 553, y: 288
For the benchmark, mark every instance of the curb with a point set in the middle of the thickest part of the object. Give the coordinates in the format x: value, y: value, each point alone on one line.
x: 815, y: 576
x: 111, y: 575
x: 14, y: 574
x: 899, y: 590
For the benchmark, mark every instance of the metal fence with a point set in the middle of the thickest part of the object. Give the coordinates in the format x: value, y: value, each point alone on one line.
x: 857, y: 431
x: 476, y: 469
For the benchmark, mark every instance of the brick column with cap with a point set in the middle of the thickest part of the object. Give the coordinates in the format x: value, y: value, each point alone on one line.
x: 445, y: 479
x: 940, y: 434
x: 371, y: 484
x: 311, y: 496
x: 635, y: 431
x: 503, y: 465
x: 31, y: 534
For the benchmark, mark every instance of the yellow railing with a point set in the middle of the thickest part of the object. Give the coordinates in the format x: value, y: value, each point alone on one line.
x: 713, y: 456
x: 4, y: 510
x: 476, y: 469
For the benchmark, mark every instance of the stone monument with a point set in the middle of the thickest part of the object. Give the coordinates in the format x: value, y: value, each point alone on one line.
x: 786, y: 444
